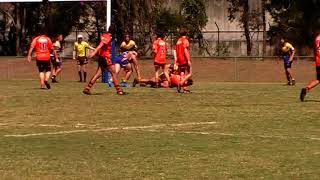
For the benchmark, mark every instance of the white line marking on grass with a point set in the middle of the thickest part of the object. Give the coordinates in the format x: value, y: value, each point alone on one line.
x: 112, y: 129
x: 245, y: 135
x: 157, y: 127
x: 49, y: 125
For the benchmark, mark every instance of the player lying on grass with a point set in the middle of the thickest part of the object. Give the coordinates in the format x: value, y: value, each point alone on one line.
x: 176, y: 79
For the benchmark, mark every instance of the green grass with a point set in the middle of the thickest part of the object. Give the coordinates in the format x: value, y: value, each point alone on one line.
x: 258, y: 131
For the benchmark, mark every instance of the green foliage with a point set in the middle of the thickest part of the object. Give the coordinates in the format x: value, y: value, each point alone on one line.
x: 168, y: 21
x: 296, y: 20
x: 194, y: 13
x: 222, y: 49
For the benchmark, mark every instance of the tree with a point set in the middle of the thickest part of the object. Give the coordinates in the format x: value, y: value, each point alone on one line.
x: 24, y: 18
x: 249, y: 19
x: 93, y: 19
x: 195, y: 17
x: 296, y: 20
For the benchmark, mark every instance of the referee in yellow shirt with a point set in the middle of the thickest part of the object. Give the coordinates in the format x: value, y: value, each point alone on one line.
x: 79, y: 54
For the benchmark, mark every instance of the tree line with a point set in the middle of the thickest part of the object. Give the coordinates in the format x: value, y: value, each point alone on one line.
x: 295, y: 20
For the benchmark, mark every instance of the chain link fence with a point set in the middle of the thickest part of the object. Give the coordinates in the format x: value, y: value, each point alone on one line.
x: 213, y: 44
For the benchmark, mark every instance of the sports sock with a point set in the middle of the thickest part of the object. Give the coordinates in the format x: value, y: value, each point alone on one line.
x: 84, y: 76
x: 80, y: 76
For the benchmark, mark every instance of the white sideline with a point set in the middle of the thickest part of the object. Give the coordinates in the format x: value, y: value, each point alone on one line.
x: 156, y: 127
x: 239, y: 135
x: 112, y: 129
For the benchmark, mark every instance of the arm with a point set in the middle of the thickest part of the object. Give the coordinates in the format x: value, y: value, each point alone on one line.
x: 30, y: 50
x: 90, y: 47
x: 74, y: 52
x: 136, y: 66
x: 96, y: 50
x: 291, y: 56
x: 188, y: 76
x: 175, y: 56
x: 187, y: 55
x: 166, y: 73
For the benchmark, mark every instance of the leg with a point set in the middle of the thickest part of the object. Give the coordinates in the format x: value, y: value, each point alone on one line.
x: 289, y: 76
x: 93, y: 81
x: 117, y: 68
x: 157, y: 69
x: 188, y: 72
x: 79, y: 72
x: 112, y: 70
x: 311, y: 85
x: 58, y: 71
x: 84, y: 72
x: 47, y: 77
x: 128, y: 70
x: 136, y: 66
x: 41, y: 79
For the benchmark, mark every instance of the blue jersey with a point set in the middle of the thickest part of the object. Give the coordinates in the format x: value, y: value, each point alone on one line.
x: 121, y: 59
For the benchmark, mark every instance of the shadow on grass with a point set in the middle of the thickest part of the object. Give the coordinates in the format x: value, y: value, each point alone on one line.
x: 94, y: 94
x: 312, y: 100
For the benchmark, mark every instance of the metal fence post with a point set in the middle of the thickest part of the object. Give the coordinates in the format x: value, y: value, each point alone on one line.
x: 235, y: 69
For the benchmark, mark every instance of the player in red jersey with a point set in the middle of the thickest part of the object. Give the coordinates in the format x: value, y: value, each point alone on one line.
x: 181, y: 54
x: 313, y: 83
x: 43, y: 47
x: 104, y: 62
x: 159, y: 50
x: 176, y: 79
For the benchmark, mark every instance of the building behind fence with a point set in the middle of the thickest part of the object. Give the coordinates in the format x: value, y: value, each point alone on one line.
x: 224, y: 43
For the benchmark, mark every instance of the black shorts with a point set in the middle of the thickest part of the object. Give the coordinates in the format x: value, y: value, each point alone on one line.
x: 318, y: 73
x: 82, y: 60
x: 43, y: 66
x: 287, y: 65
x: 55, y: 63
x: 183, y: 67
x: 104, y: 62
x: 159, y: 64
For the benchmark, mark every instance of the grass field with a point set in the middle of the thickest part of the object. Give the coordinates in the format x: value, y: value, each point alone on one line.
x: 220, y: 131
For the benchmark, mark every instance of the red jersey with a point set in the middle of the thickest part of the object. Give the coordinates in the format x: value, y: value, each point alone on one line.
x: 176, y: 79
x: 105, y: 51
x: 317, y: 50
x: 43, y: 47
x: 182, y: 44
x: 160, y: 48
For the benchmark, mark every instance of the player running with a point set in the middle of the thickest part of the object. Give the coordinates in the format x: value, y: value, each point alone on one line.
x: 181, y: 55
x: 104, y: 62
x: 159, y: 50
x: 56, y: 65
x: 43, y: 47
x: 79, y: 53
x: 313, y: 83
x: 288, y: 54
